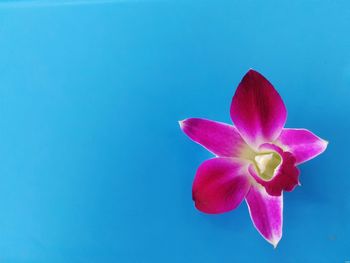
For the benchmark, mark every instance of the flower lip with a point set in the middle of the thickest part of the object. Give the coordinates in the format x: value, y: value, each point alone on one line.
x: 285, y: 176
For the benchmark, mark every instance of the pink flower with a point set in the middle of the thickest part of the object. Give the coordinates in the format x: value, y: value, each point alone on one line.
x: 254, y: 160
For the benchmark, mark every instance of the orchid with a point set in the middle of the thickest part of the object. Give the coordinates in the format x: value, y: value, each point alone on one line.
x: 255, y: 160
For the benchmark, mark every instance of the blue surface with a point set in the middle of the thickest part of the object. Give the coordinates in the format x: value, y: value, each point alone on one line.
x: 93, y: 165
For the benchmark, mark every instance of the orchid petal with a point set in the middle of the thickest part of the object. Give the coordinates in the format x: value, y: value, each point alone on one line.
x: 257, y: 109
x: 303, y: 144
x: 266, y: 213
x: 220, y: 185
x: 219, y: 138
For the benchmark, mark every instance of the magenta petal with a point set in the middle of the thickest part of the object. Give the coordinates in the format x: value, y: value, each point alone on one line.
x: 219, y: 138
x: 303, y: 144
x: 266, y: 213
x: 220, y: 185
x: 257, y: 109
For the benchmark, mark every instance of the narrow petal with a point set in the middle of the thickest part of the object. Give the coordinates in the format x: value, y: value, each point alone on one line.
x: 219, y: 138
x: 257, y: 110
x: 303, y: 144
x: 220, y: 185
x: 266, y: 213
x: 286, y: 176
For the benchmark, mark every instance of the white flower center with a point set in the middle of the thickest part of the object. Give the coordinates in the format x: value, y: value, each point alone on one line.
x: 266, y: 164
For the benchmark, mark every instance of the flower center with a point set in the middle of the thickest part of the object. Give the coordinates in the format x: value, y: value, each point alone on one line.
x: 266, y: 164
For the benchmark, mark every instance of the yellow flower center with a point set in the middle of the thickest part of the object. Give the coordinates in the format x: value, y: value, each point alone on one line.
x: 266, y: 164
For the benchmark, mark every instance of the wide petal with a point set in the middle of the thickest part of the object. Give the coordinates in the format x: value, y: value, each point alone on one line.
x: 266, y: 213
x: 257, y: 109
x: 286, y: 176
x: 303, y: 144
x: 220, y: 185
x: 219, y: 138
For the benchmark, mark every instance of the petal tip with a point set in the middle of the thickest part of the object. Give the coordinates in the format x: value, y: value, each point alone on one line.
x: 325, y: 143
x: 253, y: 73
x: 181, y: 123
x: 251, y: 70
x: 274, y: 240
x: 274, y: 243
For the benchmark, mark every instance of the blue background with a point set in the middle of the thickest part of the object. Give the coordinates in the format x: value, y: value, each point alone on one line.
x: 93, y: 165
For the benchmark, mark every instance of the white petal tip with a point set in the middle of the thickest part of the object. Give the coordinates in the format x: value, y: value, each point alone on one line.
x: 274, y: 242
x: 181, y: 123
